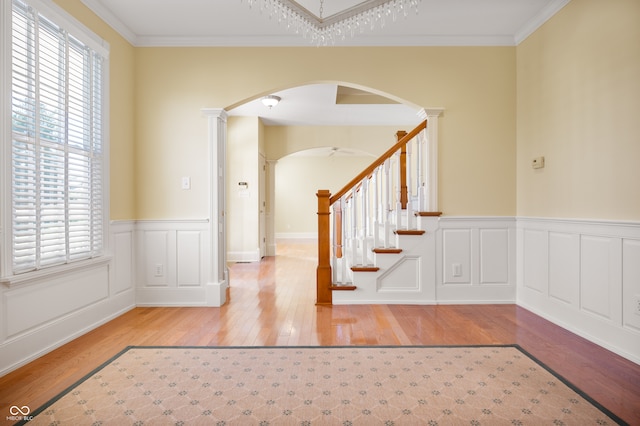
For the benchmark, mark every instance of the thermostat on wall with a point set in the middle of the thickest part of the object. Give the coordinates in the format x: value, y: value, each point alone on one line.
x: 538, y: 163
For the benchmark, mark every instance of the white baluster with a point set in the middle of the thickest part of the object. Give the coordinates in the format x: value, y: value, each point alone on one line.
x: 343, y: 264
x: 335, y: 243
x: 409, y: 189
x: 420, y: 172
x: 365, y: 202
x: 398, y: 191
x: 376, y: 208
x: 354, y: 227
x: 387, y: 202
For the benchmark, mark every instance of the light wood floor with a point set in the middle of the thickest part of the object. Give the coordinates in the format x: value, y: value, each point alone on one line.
x: 272, y: 303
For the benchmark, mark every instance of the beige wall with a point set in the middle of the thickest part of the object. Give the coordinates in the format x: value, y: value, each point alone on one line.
x: 122, y: 111
x: 297, y: 182
x: 475, y: 85
x: 244, y: 136
x: 298, y: 179
x: 170, y: 86
x: 578, y: 105
x: 284, y: 140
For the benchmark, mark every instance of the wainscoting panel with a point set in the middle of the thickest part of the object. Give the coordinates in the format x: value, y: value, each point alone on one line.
x: 583, y: 275
x: 564, y: 267
x: 456, y: 254
x: 156, y: 257
x: 189, y: 255
x: 33, y: 305
x: 631, y: 284
x: 494, y: 256
x: 50, y: 310
x: 174, y: 254
x: 536, y: 266
x: 598, y: 289
x: 122, y: 247
x: 404, y: 276
x: 476, y: 260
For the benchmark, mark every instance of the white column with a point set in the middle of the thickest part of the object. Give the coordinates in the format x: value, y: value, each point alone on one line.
x: 431, y: 157
x: 218, y: 279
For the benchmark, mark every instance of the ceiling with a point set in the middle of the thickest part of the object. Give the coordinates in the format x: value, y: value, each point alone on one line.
x: 149, y: 23
x: 235, y: 23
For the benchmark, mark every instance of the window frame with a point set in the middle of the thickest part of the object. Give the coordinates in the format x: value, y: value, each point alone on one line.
x: 80, y: 32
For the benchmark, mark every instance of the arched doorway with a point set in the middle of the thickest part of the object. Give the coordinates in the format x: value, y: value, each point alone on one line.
x: 327, y: 119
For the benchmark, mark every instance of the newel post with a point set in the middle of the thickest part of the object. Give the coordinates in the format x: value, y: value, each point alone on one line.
x: 323, y: 273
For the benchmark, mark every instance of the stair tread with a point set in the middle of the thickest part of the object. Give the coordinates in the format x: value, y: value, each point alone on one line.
x: 409, y: 232
x: 385, y: 250
x: 343, y: 287
x: 365, y: 268
x: 427, y: 214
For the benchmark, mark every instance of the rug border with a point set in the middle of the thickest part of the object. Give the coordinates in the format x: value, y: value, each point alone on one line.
x: 566, y: 382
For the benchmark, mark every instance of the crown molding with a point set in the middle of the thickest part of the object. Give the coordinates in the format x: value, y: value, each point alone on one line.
x: 536, y: 22
x: 112, y: 20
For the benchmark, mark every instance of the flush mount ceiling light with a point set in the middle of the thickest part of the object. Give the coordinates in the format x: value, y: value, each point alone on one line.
x: 271, y: 101
x: 346, y: 23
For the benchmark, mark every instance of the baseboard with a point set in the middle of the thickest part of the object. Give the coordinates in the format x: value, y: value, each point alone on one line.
x: 243, y: 256
x: 296, y: 236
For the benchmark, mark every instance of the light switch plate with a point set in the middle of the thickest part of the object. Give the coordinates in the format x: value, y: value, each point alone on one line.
x: 186, y: 182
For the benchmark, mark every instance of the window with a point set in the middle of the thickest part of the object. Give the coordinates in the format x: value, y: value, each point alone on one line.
x: 57, y: 147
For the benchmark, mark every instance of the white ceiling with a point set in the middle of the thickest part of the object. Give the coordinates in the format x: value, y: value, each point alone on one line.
x: 234, y: 23
x: 315, y: 104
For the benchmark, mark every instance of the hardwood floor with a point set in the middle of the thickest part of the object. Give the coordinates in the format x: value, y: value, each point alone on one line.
x: 271, y: 303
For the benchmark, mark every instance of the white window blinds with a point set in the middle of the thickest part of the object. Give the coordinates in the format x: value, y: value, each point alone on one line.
x: 57, y: 144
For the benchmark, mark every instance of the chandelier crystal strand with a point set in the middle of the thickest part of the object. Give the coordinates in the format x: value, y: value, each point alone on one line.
x: 300, y: 21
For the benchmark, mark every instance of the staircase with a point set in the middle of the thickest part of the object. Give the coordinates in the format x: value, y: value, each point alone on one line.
x: 376, y: 236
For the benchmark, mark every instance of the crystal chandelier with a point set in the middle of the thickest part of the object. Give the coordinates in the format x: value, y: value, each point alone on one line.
x: 366, y: 15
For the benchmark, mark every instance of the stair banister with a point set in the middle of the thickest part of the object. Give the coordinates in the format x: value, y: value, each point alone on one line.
x: 388, y: 153
x: 324, y: 275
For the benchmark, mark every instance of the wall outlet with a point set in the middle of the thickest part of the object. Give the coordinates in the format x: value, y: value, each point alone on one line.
x: 457, y: 269
x: 159, y: 270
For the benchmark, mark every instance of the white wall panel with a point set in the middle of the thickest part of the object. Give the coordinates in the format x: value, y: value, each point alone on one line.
x: 156, y: 258
x: 123, y: 262
x: 593, y: 275
x: 631, y: 283
x: 564, y: 267
x: 484, y: 247
x: 34, y: 305
x: 535, y: 265
x: 176, y: 261
x: 189, y: 255
x: 494, y: 256
x: 404, y: 276
x: 595, y: 295
x: 456, y: 250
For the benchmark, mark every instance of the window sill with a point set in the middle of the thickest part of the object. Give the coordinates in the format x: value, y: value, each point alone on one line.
x: 29, y: 277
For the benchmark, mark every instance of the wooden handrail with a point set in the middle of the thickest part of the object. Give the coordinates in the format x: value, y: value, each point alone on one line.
x: 369, y: 170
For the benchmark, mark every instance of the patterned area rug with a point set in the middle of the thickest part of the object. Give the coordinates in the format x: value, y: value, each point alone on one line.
x: 474, y: 385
